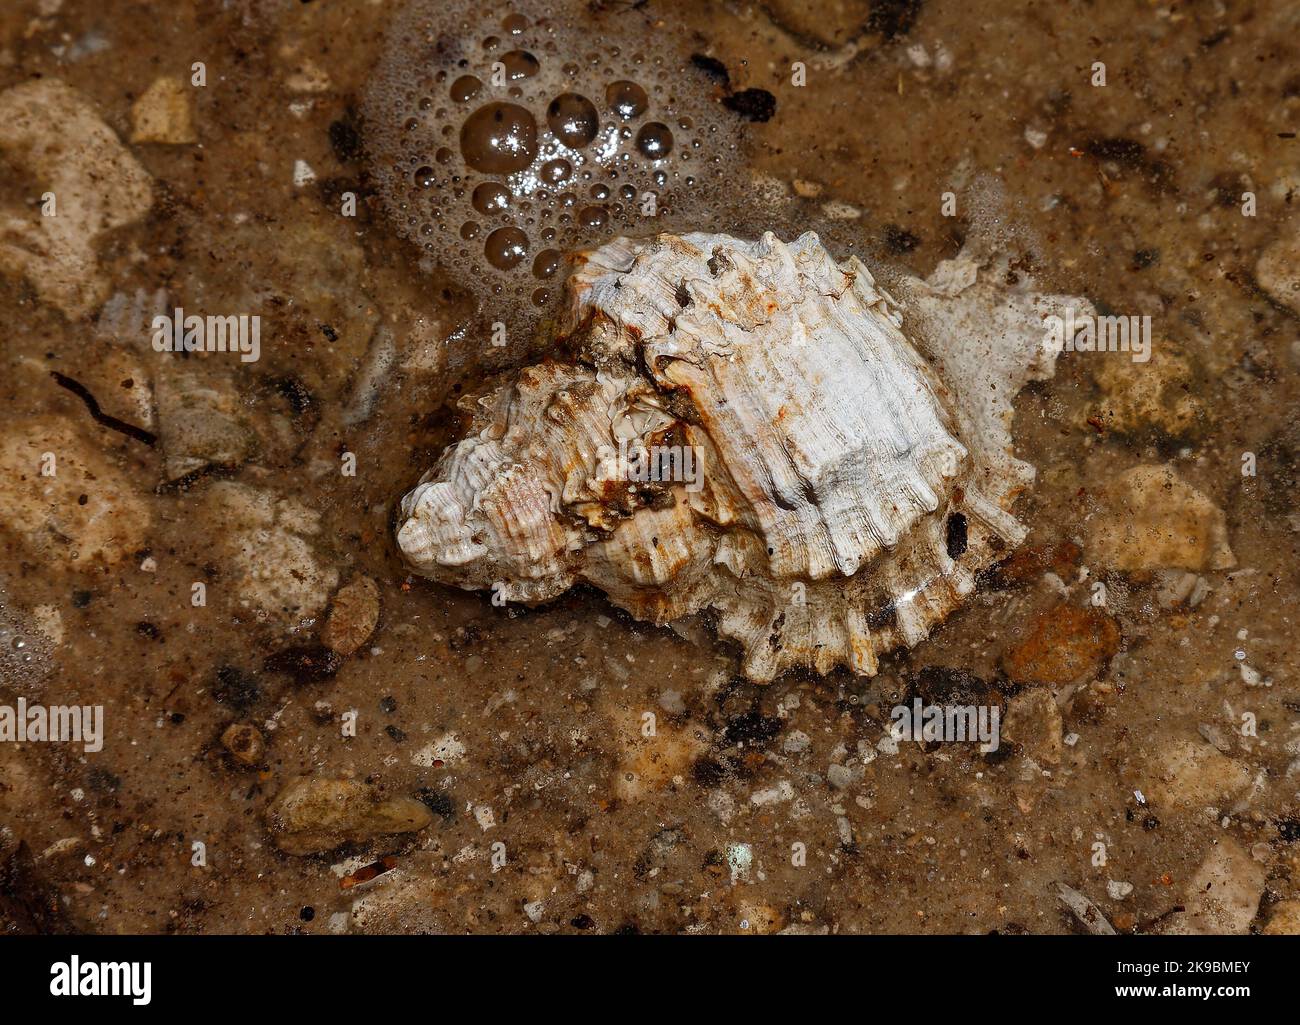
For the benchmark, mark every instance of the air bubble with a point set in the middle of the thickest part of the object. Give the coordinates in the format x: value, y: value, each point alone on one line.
x: 626, y: 99
x: 573, y: 119
x: 505, y: 248
x: 520, y: 64
x: 499, y: 138
x: 547, y: 263
x: 654, y: 140
x: 594, y: 217
x: 556, y: 171
x: 465, y: 88
x: 491, y: 198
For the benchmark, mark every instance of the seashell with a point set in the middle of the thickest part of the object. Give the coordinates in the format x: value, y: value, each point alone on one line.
x: 752, y: 430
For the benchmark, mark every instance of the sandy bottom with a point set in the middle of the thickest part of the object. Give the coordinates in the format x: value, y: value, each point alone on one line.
x: 1158, y: 746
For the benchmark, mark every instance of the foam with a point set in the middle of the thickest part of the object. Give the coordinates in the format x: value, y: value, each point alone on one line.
x: 422, y: 94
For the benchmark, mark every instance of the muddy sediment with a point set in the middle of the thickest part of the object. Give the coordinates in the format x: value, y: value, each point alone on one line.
x: 299, y: 735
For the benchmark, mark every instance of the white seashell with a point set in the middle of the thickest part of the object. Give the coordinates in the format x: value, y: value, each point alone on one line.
x: 835, y: 484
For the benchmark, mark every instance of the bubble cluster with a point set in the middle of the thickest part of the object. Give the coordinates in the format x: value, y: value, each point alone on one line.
x: 25, y: 652
x: 505, y: 136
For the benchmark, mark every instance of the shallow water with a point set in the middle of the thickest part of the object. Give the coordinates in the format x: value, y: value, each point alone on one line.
x: 524, y: 727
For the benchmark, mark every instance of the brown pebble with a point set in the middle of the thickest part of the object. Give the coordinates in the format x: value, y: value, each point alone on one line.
x: 353, y: 617
x: 1062, y: 645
